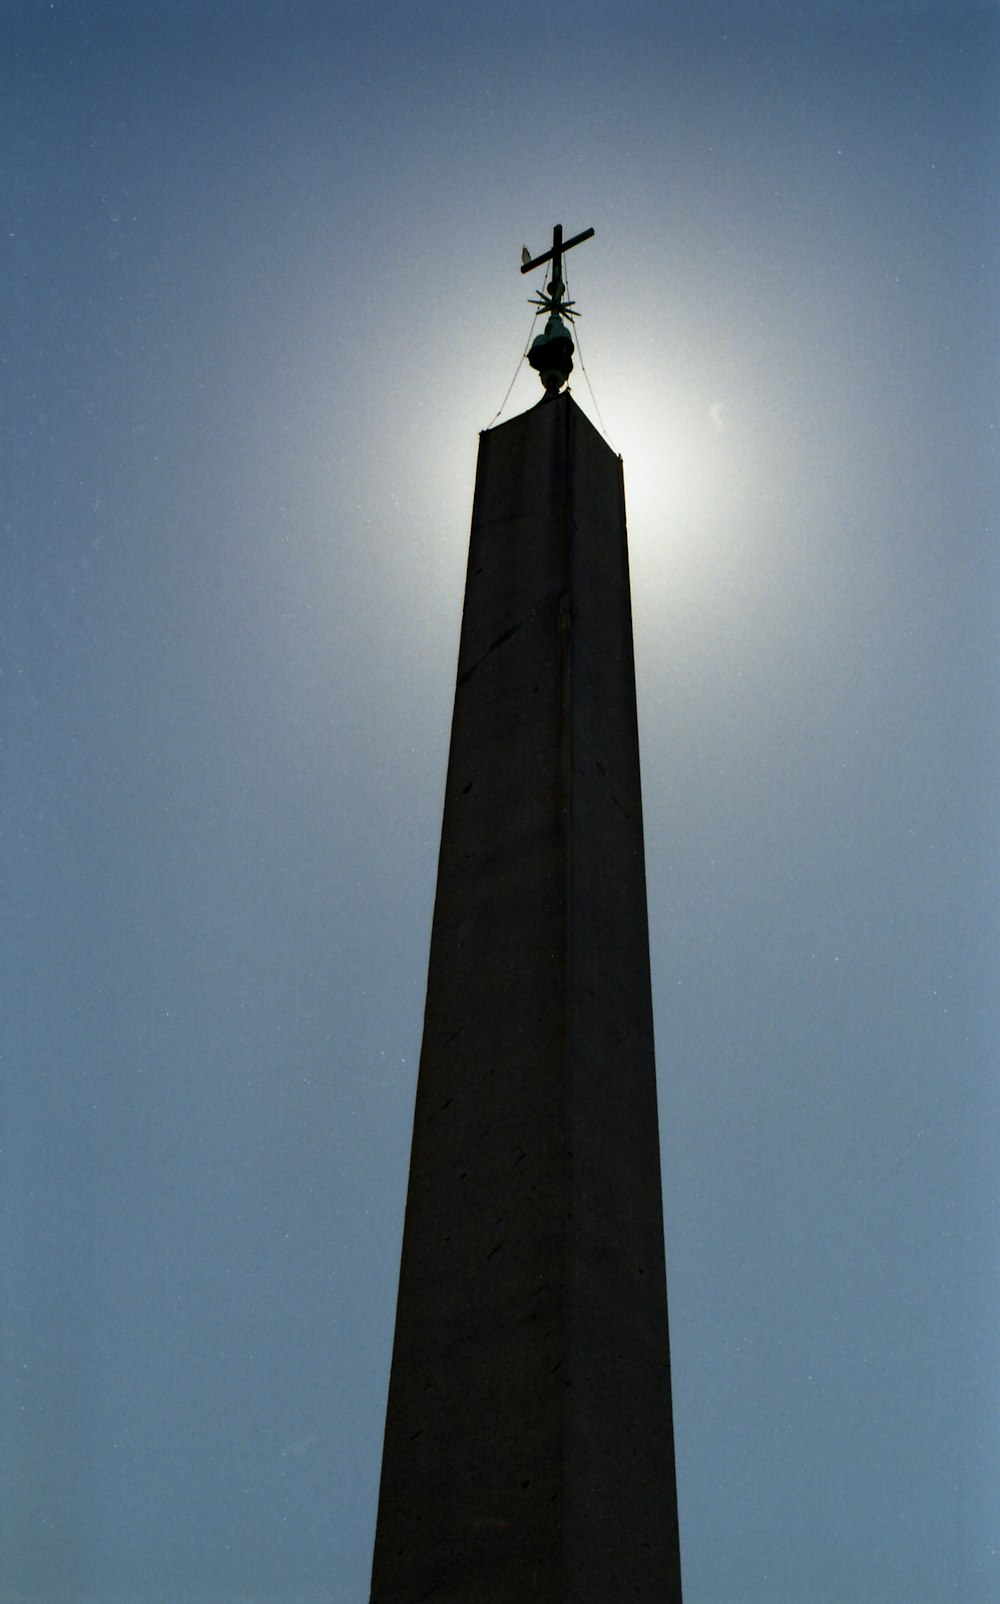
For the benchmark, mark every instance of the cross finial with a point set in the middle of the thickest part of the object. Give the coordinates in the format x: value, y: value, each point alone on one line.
x: 555, y: 256
x: 552, y: 352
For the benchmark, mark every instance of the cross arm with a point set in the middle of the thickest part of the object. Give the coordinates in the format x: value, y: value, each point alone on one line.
x: 557, y: 249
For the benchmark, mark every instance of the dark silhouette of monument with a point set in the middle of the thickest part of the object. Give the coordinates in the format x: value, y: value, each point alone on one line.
x: 529, y: 1441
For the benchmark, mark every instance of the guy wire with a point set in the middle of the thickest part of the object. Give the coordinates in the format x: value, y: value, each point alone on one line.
x: 583, y: 370
x: 516, y: 372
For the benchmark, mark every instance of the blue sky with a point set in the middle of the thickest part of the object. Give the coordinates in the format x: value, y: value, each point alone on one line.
x: 262, y: 284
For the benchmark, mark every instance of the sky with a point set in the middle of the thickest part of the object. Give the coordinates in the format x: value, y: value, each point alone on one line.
x: 261, y: 294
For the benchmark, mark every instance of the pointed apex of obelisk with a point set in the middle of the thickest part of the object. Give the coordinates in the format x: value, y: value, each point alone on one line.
x: 551, y: 353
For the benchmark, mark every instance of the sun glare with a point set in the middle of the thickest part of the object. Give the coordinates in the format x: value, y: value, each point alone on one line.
x: 683, y: 464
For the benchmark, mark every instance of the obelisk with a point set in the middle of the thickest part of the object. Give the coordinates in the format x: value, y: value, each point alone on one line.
x: 529, y: 1443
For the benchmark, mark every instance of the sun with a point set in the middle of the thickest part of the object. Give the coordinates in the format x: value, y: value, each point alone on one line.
x: 675, y: 456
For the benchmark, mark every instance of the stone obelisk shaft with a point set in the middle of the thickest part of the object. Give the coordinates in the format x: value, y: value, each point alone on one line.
x: 529, y: 1444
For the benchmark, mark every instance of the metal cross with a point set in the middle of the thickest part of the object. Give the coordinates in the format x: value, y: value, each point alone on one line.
x: 555, y: 254
x: 553, y: 302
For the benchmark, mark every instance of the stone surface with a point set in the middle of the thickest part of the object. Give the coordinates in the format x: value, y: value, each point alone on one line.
x: 529, y: 1445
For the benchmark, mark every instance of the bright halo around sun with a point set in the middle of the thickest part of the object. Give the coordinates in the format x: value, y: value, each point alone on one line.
x: 671, y: 454
x: 689, y: 473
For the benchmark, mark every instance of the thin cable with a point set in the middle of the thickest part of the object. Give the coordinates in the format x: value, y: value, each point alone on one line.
x: 516, y: 372
x: 583, y: 370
